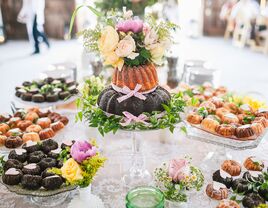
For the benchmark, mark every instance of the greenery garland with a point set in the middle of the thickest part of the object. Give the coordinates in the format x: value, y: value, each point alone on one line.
x: 105, y: 124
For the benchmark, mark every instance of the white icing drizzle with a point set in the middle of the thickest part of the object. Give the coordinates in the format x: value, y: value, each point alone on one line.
x: 68, y: 143
x: 230, y: 115
x: 30, y: 143
x: 245, y: 107
x: 56, y: 151
x: 224, y: 174
x: 255, y: 173
x: 20, y: 151
x: 217, y: 186
x: 30, y: 166
x: 54, y: 176
x: 12, y: 171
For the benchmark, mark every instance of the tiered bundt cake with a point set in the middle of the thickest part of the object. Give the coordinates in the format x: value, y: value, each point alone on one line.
x: 135, y: 90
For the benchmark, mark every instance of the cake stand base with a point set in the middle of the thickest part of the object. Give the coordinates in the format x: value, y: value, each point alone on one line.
x: 50, y: 201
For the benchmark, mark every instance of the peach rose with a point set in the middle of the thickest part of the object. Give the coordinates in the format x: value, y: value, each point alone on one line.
x: 126, y: 48
x: 108, y: 40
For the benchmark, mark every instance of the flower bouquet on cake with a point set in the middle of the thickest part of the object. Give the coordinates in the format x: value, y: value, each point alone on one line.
x: 134, y: 100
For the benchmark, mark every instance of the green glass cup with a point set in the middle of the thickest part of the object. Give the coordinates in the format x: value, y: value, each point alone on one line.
x: 145, y: 197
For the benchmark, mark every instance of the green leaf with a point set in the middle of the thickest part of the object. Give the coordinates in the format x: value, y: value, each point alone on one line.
x: 183, y: 129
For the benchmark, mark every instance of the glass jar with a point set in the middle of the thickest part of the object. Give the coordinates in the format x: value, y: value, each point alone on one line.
x: 145, y: 197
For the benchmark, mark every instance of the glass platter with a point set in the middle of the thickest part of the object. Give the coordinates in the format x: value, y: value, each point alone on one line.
x: 203, y: 136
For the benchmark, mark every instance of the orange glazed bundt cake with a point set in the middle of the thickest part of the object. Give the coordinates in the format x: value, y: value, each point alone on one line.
x: 232, y: 167
x: 253, y: 164
x: 144, y: 75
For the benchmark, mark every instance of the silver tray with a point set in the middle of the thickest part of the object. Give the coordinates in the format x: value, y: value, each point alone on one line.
x: 203, y: 136
x: 38, y: 193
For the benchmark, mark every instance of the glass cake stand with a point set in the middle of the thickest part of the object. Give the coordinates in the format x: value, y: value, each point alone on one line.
x: 222, y: 145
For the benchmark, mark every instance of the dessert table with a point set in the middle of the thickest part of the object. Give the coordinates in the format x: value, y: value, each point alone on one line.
x: 158, y: 147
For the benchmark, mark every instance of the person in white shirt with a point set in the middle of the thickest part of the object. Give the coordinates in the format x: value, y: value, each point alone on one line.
x: 32, y: 14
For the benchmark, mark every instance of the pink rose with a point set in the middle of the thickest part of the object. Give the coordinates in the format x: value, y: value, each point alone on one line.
x: 178, y: 169
x: 81, y: 150
x: 130, y: 25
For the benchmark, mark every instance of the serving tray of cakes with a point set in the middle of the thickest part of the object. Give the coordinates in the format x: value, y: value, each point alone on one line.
x: 46, y: 92
x: 46, y: 168
x: 29, y: 125
x: 240, y: 185
x: 220, y: 117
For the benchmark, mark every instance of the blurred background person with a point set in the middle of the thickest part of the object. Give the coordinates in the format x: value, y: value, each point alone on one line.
x: 32, y: 14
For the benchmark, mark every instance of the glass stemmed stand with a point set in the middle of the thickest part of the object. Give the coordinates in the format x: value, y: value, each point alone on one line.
x: 137, y: 175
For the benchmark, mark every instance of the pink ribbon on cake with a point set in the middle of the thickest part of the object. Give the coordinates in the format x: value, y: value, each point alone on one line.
x: 129, y: 93
x: 130, y: 117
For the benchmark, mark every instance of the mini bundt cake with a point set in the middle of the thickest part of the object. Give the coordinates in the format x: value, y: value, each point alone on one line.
x: 257, y: 128
x: 4, y: 128
x: 263, y: 113
x: 254, y: 164
x: 2, y: 140
x: 211, y: 108
x: 47, y: 173
x: 31, y: 169
x: 47, y: 163
x: 13, y: 142
x: 252, y: 200
x: 217, y: 191
x: 263, y: 192
x: 44, y: 122
x: 217, y: 101
x: 228, y: 204
x: 253, y: 176
x: 46, y: 134
x: 229, y: 118
x: 62, y: 119
x: 31, y: 136
x: 32, y: 182
x: 241, y: 185
x: 231, y: 107
x: 210, y: 124
x: 36, y: 157
x: 12, y: 176
x: 223, y: 177
x: 108, y: 102
x: 67, y: 143
x: 56, y: 126
x: 261, y: 120
x: 49, y: 145
x: 226, y: 130
x: 24, y: 124
x: 12, y: 163
x: 54, y: 153
x: 232, y: 167
x: 244, y: 131
x: 18, y: 154
x: 13, y: 122
x: 194, y: 118
x: 34, y: 128
x: 145, y: 75
x: 14, y: 132
x: 31, y: 116
x: 221, y: 112
x: 31, y: 146
x: 52, y: 182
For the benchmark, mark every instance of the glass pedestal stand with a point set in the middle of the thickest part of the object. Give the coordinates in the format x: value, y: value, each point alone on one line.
x: 49, y: 201
x: 137, y: 175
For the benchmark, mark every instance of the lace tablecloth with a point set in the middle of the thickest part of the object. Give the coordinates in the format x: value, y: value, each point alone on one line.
x: 158, y: 146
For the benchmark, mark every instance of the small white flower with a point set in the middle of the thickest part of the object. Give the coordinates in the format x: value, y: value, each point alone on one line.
x: 127, y: 14
x: 133, y: 55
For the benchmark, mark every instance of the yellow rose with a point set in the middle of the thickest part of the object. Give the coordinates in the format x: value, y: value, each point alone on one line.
x: 112, y: 59
x: 157, y: 52
x: 71, y: 171
x: 108, y: 40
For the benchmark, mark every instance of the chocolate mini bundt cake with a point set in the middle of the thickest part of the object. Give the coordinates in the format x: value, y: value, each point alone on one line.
x: 31, y: 146
x: 252, y: 200
x: 31, y: 169
x: 47, y: 173
x: 241, y: 185
x: 47, y: 163
x: 68, y: 143
x: 18, y: 154
x: 258, y: 177
x: 52, y: 182
x: 107, y: 101
x: 12, y: 176
x: 36, y: 157
x: 225, y: 179
x: 32, y: 182
x: 13, y: 142
x: 54, y: 153
x: 49, y: 145
x: 12, y: 163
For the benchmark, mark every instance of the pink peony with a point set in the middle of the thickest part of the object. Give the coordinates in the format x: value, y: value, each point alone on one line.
x: 178, y: 169
x: 81, y: 150
x: 135, y: 26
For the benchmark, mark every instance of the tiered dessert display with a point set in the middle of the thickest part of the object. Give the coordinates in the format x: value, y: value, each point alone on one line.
x: 134, y: 100
x: 29, y: 125
x: 45, y: 169
x: 48, y: 91
x: 246, y: 184
x: 176, y: 179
